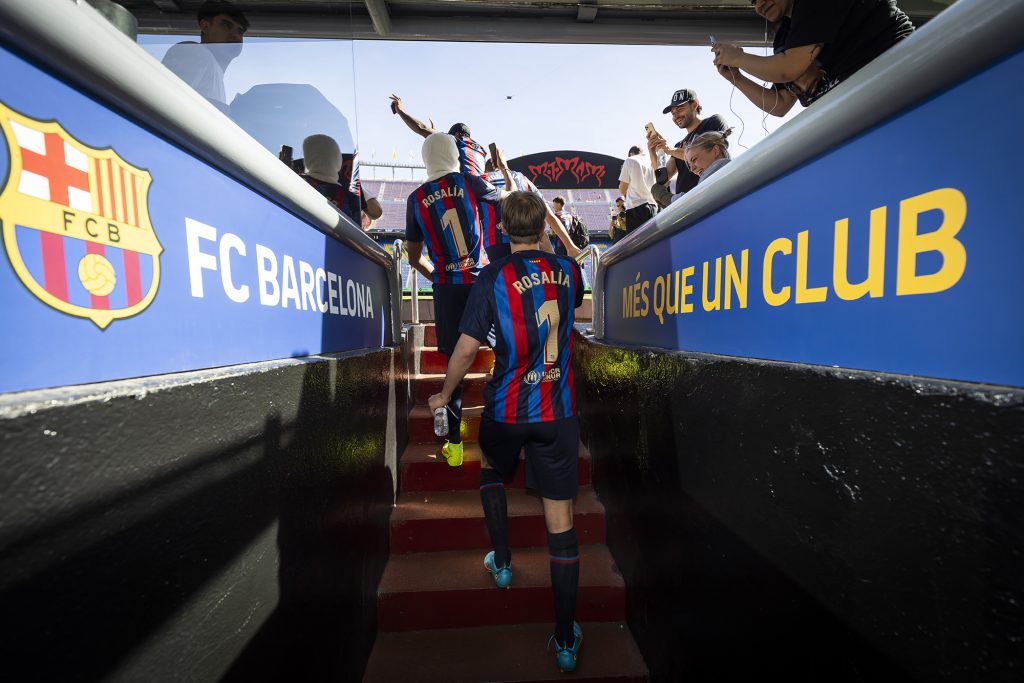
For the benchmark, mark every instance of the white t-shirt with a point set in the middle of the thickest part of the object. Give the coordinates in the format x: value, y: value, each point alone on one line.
x: 637, y: 171
x: 195, y: 64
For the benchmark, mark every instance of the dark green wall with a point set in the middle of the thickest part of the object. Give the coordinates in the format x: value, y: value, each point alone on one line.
x: 809, y: 523
x: 223, y: 524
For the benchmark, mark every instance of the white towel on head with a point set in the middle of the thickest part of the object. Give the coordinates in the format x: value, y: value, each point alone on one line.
x: 322, y: 158
x: 440, y: 155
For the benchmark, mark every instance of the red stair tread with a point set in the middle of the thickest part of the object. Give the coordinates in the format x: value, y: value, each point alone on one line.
x: 449, y: 505
x: 503, y: 653
x: 433, y: 361
x: 453, y: 520
x: 463, y: 570
x: 472, y: 387
x: 423, y: 469
x: 421, y: 424
x: 452, y: 590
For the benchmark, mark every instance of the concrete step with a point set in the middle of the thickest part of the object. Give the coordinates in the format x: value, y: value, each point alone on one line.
x: 434, y: 362
x: 452, y: 590
x: 472, y: 387
x: 421, y: 424
x: 454, y: 520
x: 503, y: 653
x: 424, y: 469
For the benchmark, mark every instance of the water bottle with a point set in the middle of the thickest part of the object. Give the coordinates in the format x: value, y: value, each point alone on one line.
x: 441, y: 421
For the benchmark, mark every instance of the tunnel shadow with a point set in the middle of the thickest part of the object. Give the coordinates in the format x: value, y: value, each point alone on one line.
x: 102, y: 589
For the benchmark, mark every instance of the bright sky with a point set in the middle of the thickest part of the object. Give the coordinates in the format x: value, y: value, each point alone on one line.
x: 586, y: 97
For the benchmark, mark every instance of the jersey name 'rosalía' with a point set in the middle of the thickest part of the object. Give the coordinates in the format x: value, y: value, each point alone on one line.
x: 446, y: 215
x: 530, y: 297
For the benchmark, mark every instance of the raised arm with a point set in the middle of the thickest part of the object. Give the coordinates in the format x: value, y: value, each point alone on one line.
x: 563, y: 235
x: 415, y: 125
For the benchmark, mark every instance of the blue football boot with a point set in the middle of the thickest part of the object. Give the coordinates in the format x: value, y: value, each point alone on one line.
x: 502, y: 576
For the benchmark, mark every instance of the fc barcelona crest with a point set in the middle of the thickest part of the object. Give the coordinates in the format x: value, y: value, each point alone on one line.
x: 76, y: 223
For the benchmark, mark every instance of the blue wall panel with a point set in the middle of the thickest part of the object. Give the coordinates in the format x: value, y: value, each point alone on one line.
x: 47, y: 343
x: 968, y: 327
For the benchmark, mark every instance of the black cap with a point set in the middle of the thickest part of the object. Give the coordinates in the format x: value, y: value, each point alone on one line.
x: 459, y: 130
x: 211, y: 8
x: 680, y: 97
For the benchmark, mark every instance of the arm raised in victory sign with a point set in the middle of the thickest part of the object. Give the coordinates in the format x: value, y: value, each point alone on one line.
x: 415, y: 125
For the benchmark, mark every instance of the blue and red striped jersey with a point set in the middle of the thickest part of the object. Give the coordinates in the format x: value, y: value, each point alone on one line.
x: 530, y: 298
x: 492, y: 214
x: 472, y: 156
x: 566, y: 218
x: 446, y: 214
x: 349, y: 203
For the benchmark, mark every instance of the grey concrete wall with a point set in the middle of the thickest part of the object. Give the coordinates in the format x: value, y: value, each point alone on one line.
x: 227, y: 524
x: 809, y: 523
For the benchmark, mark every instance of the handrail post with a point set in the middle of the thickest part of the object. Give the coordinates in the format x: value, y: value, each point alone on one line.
x: 396, y: 292
x: 415, y: 300
x: 596, y: 291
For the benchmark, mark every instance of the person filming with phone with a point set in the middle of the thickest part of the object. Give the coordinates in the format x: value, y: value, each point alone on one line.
x: 686, y: 110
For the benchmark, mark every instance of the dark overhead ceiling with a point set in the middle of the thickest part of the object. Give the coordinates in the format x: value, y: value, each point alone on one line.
x: 652, y: 22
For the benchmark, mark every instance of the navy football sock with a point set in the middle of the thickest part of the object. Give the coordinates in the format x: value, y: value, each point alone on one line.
x: 565, y: 579
x: 492, y: 497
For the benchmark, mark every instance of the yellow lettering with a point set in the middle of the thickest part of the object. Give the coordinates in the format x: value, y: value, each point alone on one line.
x: 672, y: 302
x: 518, y: 286
x: 953, y: 206
x: 782, y: 245
x: 736, y: 281
x: 874, y: 283
x: 687, y: 289
x: 805, y: 294
x: 716, y: 303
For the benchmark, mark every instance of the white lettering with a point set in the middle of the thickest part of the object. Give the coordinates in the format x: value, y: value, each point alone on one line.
x: 197, y: 260
x: 229, y: 242
x: 289, y: 285
x: 266, y: 267
x: 332, y: 293
x: 350, y: 297
x: 306, y: 275
x: 321, y: 279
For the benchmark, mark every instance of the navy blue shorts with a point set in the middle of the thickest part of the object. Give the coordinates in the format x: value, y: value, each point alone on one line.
x: 552, y: 453
x: 449, y: 305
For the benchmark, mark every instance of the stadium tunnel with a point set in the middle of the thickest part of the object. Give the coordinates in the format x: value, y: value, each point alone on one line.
x: 803, y: 421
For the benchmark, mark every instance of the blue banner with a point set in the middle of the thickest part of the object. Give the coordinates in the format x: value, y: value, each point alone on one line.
x: 127, y: 257
x: 899, y: 251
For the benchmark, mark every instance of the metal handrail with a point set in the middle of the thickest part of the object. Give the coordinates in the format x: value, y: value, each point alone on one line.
x: 396, y: 290
x: 414, y: 288
x: 596, y: 292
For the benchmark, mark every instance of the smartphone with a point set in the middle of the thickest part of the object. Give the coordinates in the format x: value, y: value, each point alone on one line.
x: 494, y: 153
x: 285, y: 154
x: 649, y: 127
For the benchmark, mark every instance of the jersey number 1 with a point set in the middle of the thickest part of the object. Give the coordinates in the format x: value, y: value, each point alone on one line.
x: 450, y: 221
x: 548, y: 313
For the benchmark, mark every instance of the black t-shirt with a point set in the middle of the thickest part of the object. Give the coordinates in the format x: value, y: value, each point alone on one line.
x: 852, y: 33
x: 686, y: 179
